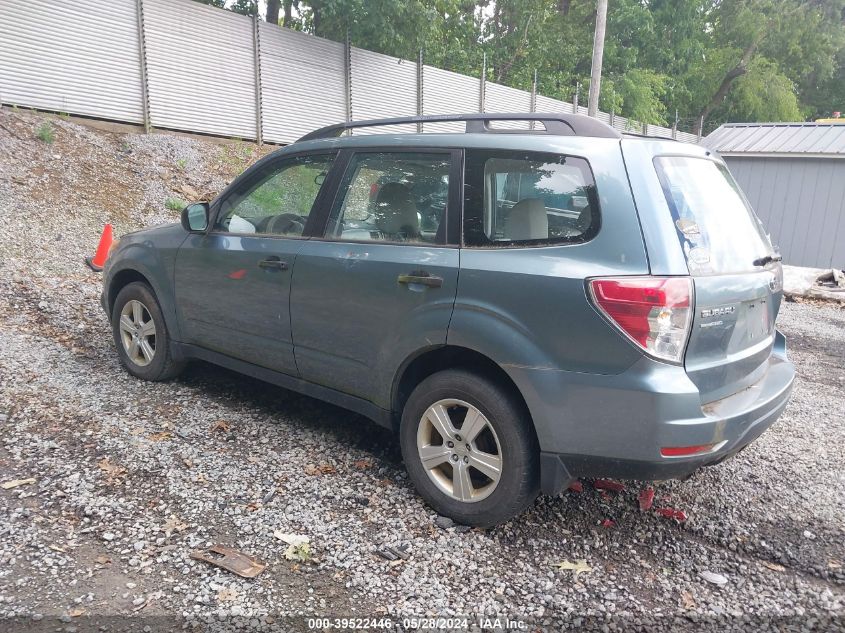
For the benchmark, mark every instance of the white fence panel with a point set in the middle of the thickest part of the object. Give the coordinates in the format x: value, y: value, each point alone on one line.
x: 445, y: 92
x: 383, y: 87
x: 625, y: 125
x: 75, y: 56
x: 200, y: 68
x: 686, y: 137
x: 302, y: 83
x: 501, y: 98
x: 659, y: 130
x: 547, y: 104
x: 84, y: 57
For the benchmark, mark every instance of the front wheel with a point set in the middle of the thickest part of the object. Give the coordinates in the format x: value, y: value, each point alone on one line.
x: 469, y: 448
x: 140, y: 334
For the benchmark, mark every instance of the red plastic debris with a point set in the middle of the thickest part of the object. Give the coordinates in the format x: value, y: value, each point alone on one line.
x: 608, y: 523
x: 607, y: 484
x: 576, y: 486
x: 646, y: 498
x: 670, y: 513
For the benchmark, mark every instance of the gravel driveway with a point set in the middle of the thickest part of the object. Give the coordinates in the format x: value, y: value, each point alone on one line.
x: 130, y: 477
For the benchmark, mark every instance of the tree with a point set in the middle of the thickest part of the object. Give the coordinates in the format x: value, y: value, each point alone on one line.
x: 776, y: 37
x: 273, y: 8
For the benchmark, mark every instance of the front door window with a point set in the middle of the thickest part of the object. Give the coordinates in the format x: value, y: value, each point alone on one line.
x: 277, y: 201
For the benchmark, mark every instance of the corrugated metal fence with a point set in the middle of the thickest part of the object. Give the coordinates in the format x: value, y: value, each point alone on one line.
x: 800, y: 200
x: 181, y: 65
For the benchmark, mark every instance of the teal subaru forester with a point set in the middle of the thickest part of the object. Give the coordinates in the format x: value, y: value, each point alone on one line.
x: 527, y: 299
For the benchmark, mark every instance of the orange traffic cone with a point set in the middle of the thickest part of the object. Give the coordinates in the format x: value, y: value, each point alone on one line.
x: 98, y: 261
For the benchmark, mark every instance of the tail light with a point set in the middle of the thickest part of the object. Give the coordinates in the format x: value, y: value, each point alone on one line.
x: 654, y: 312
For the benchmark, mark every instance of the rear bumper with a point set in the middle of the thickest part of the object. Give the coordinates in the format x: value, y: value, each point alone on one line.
x: 614, y: 426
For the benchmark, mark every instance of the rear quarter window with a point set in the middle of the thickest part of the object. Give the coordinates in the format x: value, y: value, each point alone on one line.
x: 717, y: 228
x: 528, y: 199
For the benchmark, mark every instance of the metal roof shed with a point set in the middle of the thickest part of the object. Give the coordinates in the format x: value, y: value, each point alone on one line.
x: 794, y: 176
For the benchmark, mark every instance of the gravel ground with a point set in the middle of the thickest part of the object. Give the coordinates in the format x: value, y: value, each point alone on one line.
x: 130, y: 477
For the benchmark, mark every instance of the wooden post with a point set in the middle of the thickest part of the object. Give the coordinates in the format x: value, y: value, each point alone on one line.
x: 598, y: 54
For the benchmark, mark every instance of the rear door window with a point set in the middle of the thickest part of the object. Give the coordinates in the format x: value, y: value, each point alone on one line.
x: 528, y: 198
x: 393, y: 197
x: 716, y: 226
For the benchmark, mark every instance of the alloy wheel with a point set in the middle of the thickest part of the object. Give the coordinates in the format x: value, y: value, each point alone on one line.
x: 459, y: 450
x: 138, y: 333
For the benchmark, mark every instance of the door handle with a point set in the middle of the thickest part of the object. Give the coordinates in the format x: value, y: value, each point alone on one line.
x: 421, y: 277
x: 273, y: 263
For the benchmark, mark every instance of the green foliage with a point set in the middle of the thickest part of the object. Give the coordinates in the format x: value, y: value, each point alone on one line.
x: 175, y: 204
x: 45, y: 133
x: 642, y: 92
x: 245, y: 7
x: 726, y: 59
x: 181, y: 163
x: 763, y: 94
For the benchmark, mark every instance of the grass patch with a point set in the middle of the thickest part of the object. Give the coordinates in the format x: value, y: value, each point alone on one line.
x: 175, y: 204
x: 45, y: 133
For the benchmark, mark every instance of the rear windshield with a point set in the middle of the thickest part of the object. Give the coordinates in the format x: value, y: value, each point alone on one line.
x: 718, y: 230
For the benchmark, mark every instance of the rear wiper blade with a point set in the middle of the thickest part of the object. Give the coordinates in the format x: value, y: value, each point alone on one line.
x: 768, y: 259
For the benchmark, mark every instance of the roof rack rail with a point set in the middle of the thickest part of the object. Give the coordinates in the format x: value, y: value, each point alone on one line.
x: 554, y: 124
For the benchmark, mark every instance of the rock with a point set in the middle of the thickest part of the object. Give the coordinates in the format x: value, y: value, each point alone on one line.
x: 444, y: 522
x: 714, y: 578
x: 108, y: 536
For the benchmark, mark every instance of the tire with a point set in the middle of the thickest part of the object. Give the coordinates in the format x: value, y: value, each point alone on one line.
x: 158, y: 366
x: 510, y: 435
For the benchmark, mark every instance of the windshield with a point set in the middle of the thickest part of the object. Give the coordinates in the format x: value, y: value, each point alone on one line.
x: 718, y: 230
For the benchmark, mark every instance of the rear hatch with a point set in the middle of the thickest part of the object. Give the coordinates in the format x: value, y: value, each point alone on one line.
x: 736, y: 274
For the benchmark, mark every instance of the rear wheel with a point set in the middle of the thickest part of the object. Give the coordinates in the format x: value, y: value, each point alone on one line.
x: 469, y: 448
x: 140, y: 334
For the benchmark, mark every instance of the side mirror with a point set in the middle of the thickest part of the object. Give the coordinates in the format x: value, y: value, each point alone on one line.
x: 195, y: 217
